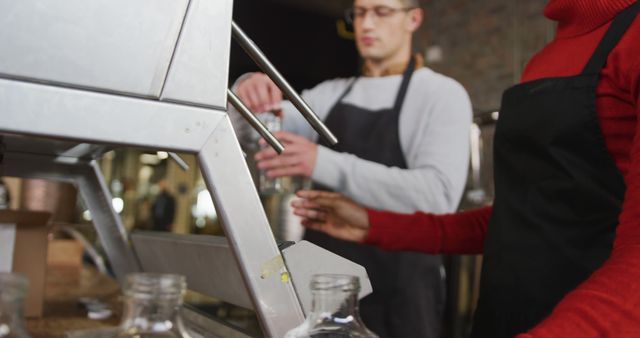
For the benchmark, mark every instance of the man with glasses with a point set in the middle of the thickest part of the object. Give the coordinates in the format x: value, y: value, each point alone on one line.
x: 403, y: 146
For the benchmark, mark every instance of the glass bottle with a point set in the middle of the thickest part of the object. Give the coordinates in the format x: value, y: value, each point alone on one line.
x: 152, y: 306
x: 13, y: 291
x: 334, y: 311
x: 5, y: 197
x: 269, y: 186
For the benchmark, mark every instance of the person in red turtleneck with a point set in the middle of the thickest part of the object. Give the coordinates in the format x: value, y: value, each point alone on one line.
x: 562, y: 240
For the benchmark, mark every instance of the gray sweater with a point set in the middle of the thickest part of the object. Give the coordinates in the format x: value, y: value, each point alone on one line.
x: 434, y: 135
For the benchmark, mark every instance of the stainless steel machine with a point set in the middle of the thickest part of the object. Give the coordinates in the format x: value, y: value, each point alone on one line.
x: 80, y: 77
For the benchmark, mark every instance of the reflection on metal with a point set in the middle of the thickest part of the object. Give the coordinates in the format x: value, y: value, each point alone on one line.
x: 476, y: 194
x: 181, y: 163
x: 150, y: 74
x: 202, y: 326
x: 255, y: 123
x: 258, y: 56
x: 480, y: 183
x: 96, y: 258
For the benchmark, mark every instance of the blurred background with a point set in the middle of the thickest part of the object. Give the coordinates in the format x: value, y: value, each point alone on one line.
x: 482, y: 44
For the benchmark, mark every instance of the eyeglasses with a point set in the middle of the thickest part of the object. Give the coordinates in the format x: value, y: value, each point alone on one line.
x: 380, y: 12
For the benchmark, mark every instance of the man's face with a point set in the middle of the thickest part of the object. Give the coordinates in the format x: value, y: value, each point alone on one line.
x: 382, y: 28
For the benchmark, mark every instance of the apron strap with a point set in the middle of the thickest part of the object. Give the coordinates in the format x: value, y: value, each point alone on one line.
x: 611, y: 38
x: 346, y: 91
x: 402, y: 92
x: 406, y: 77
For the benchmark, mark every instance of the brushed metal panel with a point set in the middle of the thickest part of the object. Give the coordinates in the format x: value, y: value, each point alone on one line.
x: 206, y: 261
x: 200, y: 67
x: 114, y: 45
x: 70, y: 114
x: 250, y: 238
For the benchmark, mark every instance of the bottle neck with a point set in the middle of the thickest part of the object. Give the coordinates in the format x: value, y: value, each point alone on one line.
x: 339, y: 305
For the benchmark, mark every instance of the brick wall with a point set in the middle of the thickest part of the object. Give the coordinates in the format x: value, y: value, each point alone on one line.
x: 485, y: 44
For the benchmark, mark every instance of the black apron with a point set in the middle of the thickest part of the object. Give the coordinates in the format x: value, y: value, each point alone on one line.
x: 408, y: 297
x: 558, y: 197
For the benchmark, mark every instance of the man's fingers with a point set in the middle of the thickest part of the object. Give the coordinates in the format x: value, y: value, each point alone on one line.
x: 288, y: 137
x: 259, y: 95
x: 285, y: 171
x: 265, y: 153
x: 309, y: 194
x: 278, y: 162
x: 262, y: 91
x: 244, y: 96
x: 275, y: 93
x: 289, y: 150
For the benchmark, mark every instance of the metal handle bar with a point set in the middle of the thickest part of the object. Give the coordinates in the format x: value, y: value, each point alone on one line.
x: 261, y: 60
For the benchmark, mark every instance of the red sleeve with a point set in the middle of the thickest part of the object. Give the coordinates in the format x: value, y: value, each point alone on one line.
x: 608, y: 303
x: 460, y: 233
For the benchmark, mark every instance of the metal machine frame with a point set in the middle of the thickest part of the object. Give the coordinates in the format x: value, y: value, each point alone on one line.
x: 68, y: 83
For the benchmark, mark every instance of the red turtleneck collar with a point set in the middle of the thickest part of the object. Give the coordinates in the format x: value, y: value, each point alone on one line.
x: 577, y: 17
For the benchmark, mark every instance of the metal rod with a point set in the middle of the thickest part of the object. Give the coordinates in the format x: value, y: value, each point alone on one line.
x: 179, y: 161
x: 261, y: 60
x: 254, y: 122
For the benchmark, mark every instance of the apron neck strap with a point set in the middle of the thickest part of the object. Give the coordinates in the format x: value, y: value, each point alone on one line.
x: 401, y: 92
x: 406, y: 78
x: 616, y: 31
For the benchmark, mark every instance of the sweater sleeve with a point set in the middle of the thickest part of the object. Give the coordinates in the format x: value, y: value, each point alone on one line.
x: 460, y: 233
x: 608, y: 303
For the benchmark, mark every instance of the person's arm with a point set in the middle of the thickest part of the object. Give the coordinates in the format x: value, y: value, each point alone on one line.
x: 340, y: 217
x: 608, y: 303
x: 436, y: 147
x: 459, y: 233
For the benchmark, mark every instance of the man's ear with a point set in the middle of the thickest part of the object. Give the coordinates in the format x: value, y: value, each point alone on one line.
x: 416, y: 17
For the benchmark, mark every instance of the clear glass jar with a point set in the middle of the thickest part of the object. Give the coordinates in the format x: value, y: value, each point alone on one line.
x: 13, y: 291
x: 269, y: 186
x: 334, y: 311
x: 152, y: 306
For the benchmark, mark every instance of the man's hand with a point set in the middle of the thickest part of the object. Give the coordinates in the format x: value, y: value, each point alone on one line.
x: 332, y: 214
x: 298, y: 158
x: 259, y: 93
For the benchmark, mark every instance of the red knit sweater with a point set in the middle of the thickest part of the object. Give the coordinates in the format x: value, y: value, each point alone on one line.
x: 608, y: 303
